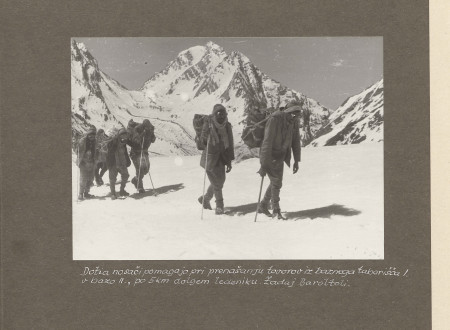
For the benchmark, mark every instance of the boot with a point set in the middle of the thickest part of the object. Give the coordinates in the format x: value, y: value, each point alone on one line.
x: 141, y: 190
x: 80, y: 197
x: 88, y: 195
x: 219, y: 207
x: 134, y: 182
x: 206, y: 204
x: 112, y: 186
x: 277, y: 213
x: 99, y: 182
x: 122, y: 191
x: 262, y: 208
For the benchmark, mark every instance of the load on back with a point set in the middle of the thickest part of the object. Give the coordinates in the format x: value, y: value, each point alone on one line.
x: 198, y: 126
x: 253, y: 133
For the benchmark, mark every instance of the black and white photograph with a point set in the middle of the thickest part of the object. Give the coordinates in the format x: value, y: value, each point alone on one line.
x: 224, y: 164
x: 227, y: 148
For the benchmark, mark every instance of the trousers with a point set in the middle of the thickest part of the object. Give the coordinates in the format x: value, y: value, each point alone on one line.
x: 100, y: 169
x: 275, y: 174
x: 142, y: 166
x: 216, y: 176
x: 86, y: 177
x: 113, y: 176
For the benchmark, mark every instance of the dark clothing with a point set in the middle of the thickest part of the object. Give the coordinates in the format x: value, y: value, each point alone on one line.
x: 276, y: 182
x: 86, y: 152
x: 86, y: 178
x: 216, y: 152
x: 121, y: 156
x: 281, y: 134
x: 111, y: 156
x: 117, y: 161
x: 100, y: 159
x: 100, y: 149
x: 113, y: 176
x: 85, y: 161
x: 100, y: 169
x: 218, y: 158
x: 140, y: 141
x: 142, y: 166
x: 138, y: 136
x: 216, y: 176
x: 131, y: 125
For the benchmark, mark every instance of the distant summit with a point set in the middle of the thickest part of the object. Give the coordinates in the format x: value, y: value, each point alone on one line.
x: 359, y: 119
x: 191, y: 83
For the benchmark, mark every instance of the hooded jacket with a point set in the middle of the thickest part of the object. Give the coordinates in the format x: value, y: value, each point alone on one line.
x: 216, y: 152
x: 111, y: 155
x: 83, y: 144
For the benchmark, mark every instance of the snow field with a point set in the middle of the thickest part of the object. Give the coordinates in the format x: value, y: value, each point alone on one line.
x: 334, y: 204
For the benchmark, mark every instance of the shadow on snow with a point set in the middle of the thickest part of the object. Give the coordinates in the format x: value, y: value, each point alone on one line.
x: 159, y: 191
x: 321, y: 212
x: 150, y: 192
x: 241, y: 209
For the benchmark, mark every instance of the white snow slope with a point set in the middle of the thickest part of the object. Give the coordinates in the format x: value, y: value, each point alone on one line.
x: 334, y: 204
x: 99, y: 100
x: 358, y: 120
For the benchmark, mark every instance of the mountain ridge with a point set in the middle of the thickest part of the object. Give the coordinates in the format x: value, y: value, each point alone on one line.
x: 359, y: 119
x: 192, y: 82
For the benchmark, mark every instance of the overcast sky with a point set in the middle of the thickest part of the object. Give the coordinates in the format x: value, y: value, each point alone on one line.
x: 327, y: 69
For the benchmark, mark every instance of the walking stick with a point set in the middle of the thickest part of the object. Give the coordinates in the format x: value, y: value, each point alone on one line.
x: 150, y: 176
x: 140, y: 164
x: 204, y: 176
x: 259, y: 197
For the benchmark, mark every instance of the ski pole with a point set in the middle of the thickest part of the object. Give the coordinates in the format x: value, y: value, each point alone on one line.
x: 140, y: 164
x: 204, y: 176
x: 259, y: 197
x: 150, y: 176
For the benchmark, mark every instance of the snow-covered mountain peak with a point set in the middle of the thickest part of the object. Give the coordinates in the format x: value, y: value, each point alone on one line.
x: 192, y: 55
x: 358, y: 119
x: 212, y: 46
x: 240, y: 57
x: 81, y: 46
x: 79, y: 51
x: 192, y: 82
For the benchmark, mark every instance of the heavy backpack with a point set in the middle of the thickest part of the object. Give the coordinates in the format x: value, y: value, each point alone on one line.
x: 102, y: 150
x: 131, y: 126
x: 102, y: 145
x: 255, y: 123
x: 198, y: 122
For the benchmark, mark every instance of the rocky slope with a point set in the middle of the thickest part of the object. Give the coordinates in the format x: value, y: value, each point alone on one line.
x: 193, y: 82
x: 359, y: 119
